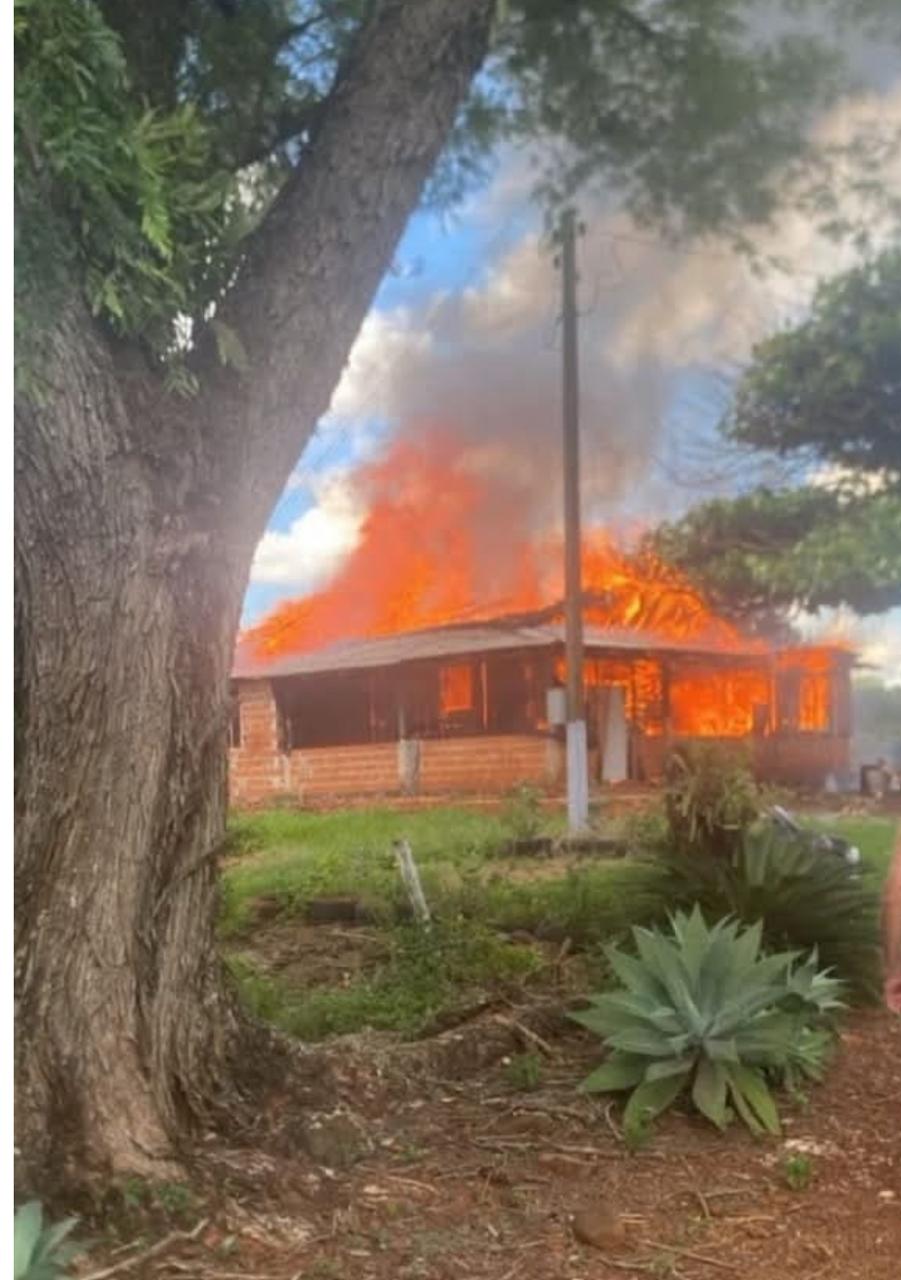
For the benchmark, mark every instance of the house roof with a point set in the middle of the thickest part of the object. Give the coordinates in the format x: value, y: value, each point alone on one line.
x: 459, y: 640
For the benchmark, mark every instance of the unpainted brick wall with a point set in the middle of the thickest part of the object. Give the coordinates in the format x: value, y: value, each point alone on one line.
x: 488, y: 765
x: 257, y: 768
x: 370, y: 768
x: 260, y: 771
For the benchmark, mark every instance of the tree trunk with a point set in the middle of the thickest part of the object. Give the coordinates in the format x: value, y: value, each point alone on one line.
x: 125, y: 626
x: 136, y: 521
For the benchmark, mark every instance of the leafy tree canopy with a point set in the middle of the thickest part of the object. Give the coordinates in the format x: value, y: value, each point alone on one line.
x: 768, y: 551
x: 829, y: 391
x: 150, y: 138
x: 833, y: 384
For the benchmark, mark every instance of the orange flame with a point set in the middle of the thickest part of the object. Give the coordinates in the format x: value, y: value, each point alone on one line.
x: 447, y: 540
x: 444, y: 542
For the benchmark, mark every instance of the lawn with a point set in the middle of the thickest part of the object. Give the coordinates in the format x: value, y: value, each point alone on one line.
x: 500, y: 920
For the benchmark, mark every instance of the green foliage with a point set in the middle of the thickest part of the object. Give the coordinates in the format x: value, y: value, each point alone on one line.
x: 832, y: 384
x: 522, y: 812
x: 798, y: 1172
x: 804, y: 898
x: 711, y: 799
x: 121, y: 196
x: 175, y: 1200
x: 703, y: 1010
x: 827, y: 393
x: 41, y: 1252
x: 772, y: 549
x: 644, y: 831
x: 678, y: 104
x: 524, y: 1072
x: 302, y: 855
x: 810, y: 548
x: 589, y: 904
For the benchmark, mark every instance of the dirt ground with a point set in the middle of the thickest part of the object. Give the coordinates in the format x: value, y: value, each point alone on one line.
x: 436, y: 1168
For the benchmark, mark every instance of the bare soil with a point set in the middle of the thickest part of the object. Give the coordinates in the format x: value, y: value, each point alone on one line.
x: 463, y: 1176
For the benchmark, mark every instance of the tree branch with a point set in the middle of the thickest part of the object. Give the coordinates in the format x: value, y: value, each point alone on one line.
x: 290, y: 124
x: 311, y: 269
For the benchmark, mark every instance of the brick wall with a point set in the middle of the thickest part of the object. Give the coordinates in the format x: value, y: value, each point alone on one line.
x: 258, y: 770
x: 370, y: 769
x: 489, y: 764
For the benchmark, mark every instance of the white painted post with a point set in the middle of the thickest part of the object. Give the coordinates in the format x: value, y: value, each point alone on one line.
x: 410, y: 876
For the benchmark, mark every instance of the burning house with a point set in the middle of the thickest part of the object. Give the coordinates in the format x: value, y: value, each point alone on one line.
x: 474, y: 708
x: 472, y: 704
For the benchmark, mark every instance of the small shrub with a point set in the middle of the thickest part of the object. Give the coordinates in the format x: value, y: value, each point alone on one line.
x: 805, y: 898
x: 524, y: 1072
x: 521, y: 814
x: 711, y: 799
x: 41, y: 1252
x: 704, y: 1010
x: 645, y: 832
x: 589, y: 905
x: 173, y: 1199
x: 798, y: 1171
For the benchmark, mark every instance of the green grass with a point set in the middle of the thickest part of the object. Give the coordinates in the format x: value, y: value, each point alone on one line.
x: 477, y: 895
x: 296, y: 856
x: 427, y: 974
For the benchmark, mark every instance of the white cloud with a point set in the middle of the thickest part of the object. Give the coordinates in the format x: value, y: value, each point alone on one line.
x: 388, y: 343
x: 316, y: 543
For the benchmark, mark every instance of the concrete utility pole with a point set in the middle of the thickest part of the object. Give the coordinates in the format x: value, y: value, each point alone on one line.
x: 576, y: 740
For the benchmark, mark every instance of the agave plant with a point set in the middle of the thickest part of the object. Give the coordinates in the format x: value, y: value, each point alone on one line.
x: 704, y: 1010
x: 41, y: 1252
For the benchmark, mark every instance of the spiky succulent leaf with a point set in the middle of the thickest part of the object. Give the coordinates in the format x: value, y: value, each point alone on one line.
x: 767, y: 1039
x: 748, y: 1085
x: 670, y: 1067
x: 620, y: 1071
x: 647, y: 1041
x: 28, y: 1222
x: 816, y: 987
x: 39, y: 1252
x: 634, y: 975
x: 709, y: 1091
x: 718, y: 1050
x: 650, y: 1098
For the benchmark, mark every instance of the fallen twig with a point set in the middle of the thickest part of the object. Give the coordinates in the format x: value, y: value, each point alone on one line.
x: 635, y: 1265
x: 410, y: 1182
x: 611, y: 1123
x: 127, y: 1263
x: 689, y: 1253
x: 530, y: 1036
x: 702, y: 1201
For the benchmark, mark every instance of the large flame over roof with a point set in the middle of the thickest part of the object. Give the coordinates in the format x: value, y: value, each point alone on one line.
x: 449, y: 537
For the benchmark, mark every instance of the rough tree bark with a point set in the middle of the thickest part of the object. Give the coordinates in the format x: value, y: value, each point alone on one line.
x: 136, y: 521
